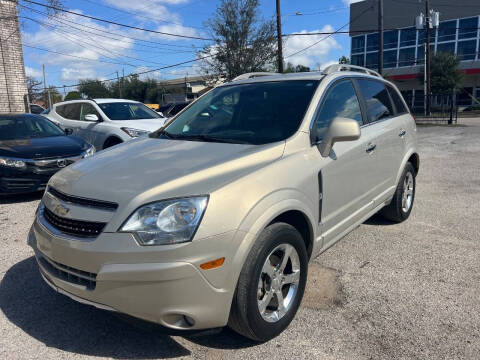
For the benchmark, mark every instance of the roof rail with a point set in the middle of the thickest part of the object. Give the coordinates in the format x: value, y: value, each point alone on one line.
x: 253, y: 75
x: 346, y: 67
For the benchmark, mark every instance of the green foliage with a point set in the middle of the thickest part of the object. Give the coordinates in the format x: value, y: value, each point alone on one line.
x: 55, y: 95
x: 94, y: 89
x: 243, y: 42
x: 72, y: 95
x: 444, y: 73
x: 295, y: 69
x: 344, y: 60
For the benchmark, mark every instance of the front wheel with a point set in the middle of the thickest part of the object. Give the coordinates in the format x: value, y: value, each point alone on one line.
x: 271, y: 284
x: 402, y: 202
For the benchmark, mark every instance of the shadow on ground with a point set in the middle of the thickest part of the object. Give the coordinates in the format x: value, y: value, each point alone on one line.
x: 62, y: 323
x: 378, y: 219
x: 19, y: 198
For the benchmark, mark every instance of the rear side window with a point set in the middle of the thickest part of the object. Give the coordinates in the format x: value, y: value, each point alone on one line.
x: 69, y: 111
x: 397, y: 101
x: 376, y: 98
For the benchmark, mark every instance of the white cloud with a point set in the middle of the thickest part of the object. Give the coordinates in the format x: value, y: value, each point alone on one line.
x: 33, y: 72
x: 74, y: 74
x: 152, y: 9
x: 319, y: 53
x: 348, y: 2
x: 176, y: 29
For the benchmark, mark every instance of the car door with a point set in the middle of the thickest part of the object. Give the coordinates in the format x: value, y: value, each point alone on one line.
x: 70, y: 117
x: 91, y: 131
x: 388, y: 141
x: 345, y: 175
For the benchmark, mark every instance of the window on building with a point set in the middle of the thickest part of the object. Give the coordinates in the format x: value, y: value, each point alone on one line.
x: 447, y: 30
x: 372, y: 42
x: 358, y: 44
x: 466, y: 49
x: 390, y: 59
x: 467, y: 28
x: 390, y: 39
x: 448, y: 48
x: 421, y: 54
x: 406, y: 57
x: 408, y: 37
x: 376, y: 96
x: 357, y: 60
x: 422, y: 33
x: 372, y: 60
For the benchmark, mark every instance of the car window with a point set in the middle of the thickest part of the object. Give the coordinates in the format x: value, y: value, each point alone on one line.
x: 69, y: 111
x: 128, y: 111
x: 177, y: 108
x: 254, y: 113
x: 21, y: 128
x: 397, y: 100
x: 341, y: 101
x: 377, y: 99
x: 87, y: 109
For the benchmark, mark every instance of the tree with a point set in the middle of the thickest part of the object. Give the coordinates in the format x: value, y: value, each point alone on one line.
x: 34, y: 88
x: 55, y: 95
x: 295, y: 69
x: 73, y: 95
x: 444, y: 73
x: 243, y: 42
x: 93, y: 89
x: 344, y: 60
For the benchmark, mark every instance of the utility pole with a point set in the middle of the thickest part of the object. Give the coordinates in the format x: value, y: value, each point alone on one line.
x: 380, y: 37
x: 47, y: 92
x: 123, y: 77
x: 119, y: 87
x: 279, y: 38
x: 428, y: 21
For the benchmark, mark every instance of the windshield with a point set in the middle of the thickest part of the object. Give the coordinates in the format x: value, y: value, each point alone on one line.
x: 20, y: 128
x: 128, y: 111
x: 256, y: 113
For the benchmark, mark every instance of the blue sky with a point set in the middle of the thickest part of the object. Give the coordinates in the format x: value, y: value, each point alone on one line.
x: 98, y: 50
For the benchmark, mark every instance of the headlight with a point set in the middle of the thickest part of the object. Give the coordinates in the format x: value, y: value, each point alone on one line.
x: 89, y: 152
x: 12, y: 162
x: 134, y: 132
x: 167, y: 222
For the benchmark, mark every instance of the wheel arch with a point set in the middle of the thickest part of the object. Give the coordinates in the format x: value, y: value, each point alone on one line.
x: 110, y: 139
x: 413, y: 157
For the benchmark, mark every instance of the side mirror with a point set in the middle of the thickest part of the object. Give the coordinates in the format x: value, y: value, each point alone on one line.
x: 91, y: 117
x: 68, y: 131
x: 340, y: 129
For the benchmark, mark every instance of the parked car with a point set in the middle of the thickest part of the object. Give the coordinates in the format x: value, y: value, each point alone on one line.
x: 32, y: 149
x: 212, y: 220
x: 36, y: 109
x: 172, y: 109
x: 106, y: 122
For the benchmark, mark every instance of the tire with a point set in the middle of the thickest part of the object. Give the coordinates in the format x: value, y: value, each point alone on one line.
x: 396, y: 211
x: 111, y: 142
x: 245, y: 316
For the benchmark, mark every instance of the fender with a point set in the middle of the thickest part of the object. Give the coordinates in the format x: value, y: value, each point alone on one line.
x: 409, y: 153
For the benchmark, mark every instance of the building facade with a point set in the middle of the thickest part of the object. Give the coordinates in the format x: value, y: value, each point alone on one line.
x: 13, y: 84
x: 403, y: 55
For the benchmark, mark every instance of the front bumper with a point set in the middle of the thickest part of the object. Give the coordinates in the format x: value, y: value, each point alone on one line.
x: 163, y: 285
x: 23, y: 184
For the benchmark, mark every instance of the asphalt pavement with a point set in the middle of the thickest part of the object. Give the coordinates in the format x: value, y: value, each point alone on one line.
x: 403, y: 291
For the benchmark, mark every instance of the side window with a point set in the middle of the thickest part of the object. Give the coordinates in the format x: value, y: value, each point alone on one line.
x: 377, y: 99
x: 71, y: 111
x: 341, y: 101
x: 60, y: 110
x: 397, y: 101
x: 88, y: 109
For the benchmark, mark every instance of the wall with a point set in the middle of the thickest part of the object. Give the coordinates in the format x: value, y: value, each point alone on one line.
x: 13, y: 85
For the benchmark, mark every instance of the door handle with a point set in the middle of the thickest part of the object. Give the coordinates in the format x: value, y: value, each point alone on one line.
x: 402, y: 133
x: 370, y: 148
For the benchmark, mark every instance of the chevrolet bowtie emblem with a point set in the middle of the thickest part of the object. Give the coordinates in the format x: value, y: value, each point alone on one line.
x: 61, y: 210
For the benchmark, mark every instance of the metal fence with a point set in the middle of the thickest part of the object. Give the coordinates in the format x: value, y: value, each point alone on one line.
x: 443, y: 107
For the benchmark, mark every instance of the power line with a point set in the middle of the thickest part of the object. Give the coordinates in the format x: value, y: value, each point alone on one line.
x: 68, y: 22
x: 114, y: 22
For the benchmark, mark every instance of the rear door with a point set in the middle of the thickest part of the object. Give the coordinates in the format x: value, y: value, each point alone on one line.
x: 387, y: 141
x: 345, y: 176
x: 70, y: 117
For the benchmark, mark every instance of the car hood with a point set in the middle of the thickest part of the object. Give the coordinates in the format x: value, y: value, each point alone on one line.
x: 155, y: 169
x: 141, y: 124
x: 39, y: 148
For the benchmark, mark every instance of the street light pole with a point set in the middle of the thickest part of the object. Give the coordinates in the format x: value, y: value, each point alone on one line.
x: 279, y: 38
x: 380, y: 37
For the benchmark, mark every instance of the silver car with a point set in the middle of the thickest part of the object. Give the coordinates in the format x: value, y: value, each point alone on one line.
x: 105, y: 122
x: 212, y: 220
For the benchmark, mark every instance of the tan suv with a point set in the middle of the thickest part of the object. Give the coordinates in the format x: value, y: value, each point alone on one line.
x: 212, y: 220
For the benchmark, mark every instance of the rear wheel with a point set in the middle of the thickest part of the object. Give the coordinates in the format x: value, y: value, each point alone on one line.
x: 271, y: 284
x: 402, y: 202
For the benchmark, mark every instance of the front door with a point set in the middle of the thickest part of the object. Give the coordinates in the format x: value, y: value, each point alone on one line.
x: 345, y: 175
